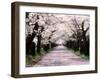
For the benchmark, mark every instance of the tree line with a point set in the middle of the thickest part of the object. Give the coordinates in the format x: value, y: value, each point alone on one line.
x: 42, y: 32
x: 80, y: 36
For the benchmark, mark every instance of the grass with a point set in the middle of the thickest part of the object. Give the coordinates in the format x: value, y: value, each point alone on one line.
x: 75, y: 49
x: 31, y: 60
x: 28, y: 60
x: 82, y: 55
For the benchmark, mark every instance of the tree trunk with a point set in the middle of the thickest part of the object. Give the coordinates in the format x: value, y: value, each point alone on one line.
x: 32, y: 49
x: 39, y: 44
x: 29, y: 40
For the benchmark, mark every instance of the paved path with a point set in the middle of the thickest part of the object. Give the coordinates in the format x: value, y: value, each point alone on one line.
x: 61, y: 56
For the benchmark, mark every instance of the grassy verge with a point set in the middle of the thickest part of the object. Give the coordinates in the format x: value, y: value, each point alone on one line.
x: 82, y: 55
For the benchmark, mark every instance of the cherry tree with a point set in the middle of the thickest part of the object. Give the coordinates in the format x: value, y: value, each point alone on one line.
x: 80, y: 32
x: 34, y: 27
x: 41, y: 27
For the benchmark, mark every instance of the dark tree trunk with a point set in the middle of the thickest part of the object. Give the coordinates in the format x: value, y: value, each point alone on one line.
x: 32, y: 49
x: 29, y: 40
x: 39, y: 44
